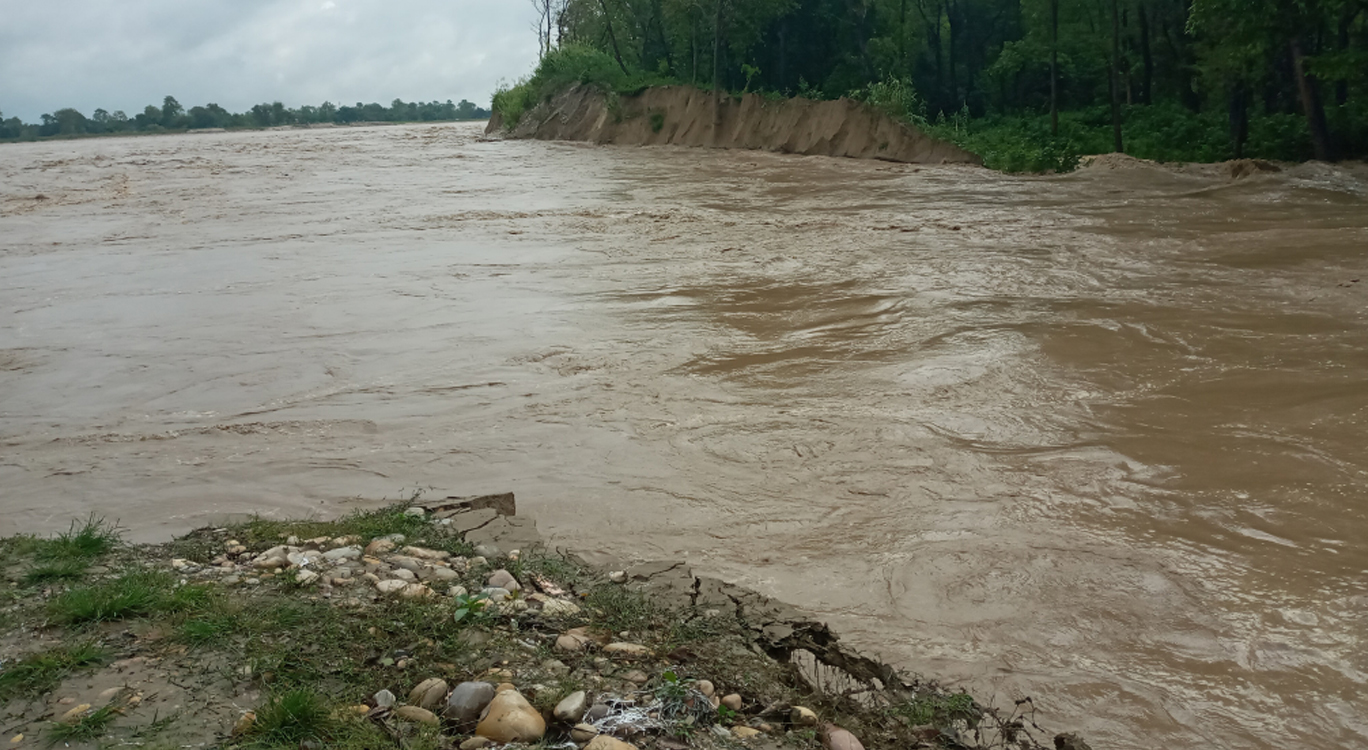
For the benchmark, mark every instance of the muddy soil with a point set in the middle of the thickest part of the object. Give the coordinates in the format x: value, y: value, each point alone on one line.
x: 1094, y: 438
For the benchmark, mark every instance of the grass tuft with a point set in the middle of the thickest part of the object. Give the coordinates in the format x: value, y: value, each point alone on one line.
x: 141, y: 593
x: 293, y: 717
x: 37, y: 674
x: 95, y: 537
x: 87, y: 728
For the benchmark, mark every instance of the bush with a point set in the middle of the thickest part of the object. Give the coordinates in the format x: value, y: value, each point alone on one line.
x: 570, y: 65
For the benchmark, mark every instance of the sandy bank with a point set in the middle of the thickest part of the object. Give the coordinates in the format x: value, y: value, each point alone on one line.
x: 683, y: 116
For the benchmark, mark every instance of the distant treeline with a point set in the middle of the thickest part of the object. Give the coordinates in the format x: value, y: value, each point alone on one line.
x: 171, y: 116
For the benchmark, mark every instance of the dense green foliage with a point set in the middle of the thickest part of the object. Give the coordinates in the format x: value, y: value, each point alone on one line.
x: 171, y: 116
x: 1166, y: 79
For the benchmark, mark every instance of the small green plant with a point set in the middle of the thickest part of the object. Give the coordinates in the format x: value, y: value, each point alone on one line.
x: 88, y: 727
x: 59, y: 570
x: 293, y: 717
x: 39, y: 673
x: 472, y: 606
x: 617, y: 608
x: 137, y: 594
x: 895, y: 97
x: 657, y: 121
x: 750, y: 71
x: 92, y: 539
x: 939, y: 709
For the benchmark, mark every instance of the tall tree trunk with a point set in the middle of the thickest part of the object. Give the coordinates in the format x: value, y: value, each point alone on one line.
x: 717, y: 69
x: 952, y: 13
x: 660, y: 34
x: 1117, y: 145
x: 1239, y: 118
x: 1311, y: 104
x: 608, y: 19
x: 1054, y: 67
x: 1147, y: 56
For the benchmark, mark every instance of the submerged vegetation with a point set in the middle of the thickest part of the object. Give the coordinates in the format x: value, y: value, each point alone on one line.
x: 281, y: 641
x: 1029, y: 84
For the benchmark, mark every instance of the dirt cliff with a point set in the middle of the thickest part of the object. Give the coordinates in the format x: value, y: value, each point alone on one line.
x: 683, y: 116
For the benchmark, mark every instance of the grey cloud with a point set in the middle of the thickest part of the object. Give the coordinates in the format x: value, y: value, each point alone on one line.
x: 125, y: 55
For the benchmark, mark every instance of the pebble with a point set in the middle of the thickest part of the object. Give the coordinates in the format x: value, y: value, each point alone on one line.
x: 744, y: 733
x: 572, y: 708
x: 391, y: 586
x: 417, y: 591
x: 512, y: 606
x: 384, y: 699
x: 456, y: 591
x: 411, y: 564
x: 478, y: 562
x: 802, y: 716
x: 443, y: 574
x: 618, y: 576
x: 379, y: 547
x: 423, y: 553
x: 706, y: 688
x: 416, y: 512
x: 467, y: 701
x: 511, y: 719
x: 604, y: 742
x: 733, y: 702
x: 306, y: 577
x: 559, y: 608
x: 570, y: 642
x: 495, y: 594
x: 598, y: 711
x: 243, y: 724
x: 403, y: 574
x: 417, y: 715
x: 636, y: 676
x: 504, y: 580
x: 74, y: 715
x: 720, y: 731
x: 487, y: 550
x: 429, y: 693
x: 584, y: 732
x: 629, y: 650
x: 555, y: 666
x: 476, y: 743
x: 343, y: 553
x: 836, y: 738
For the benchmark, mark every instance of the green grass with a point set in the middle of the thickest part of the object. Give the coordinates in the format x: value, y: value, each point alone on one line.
x: 141, y: 593
x: 939, y: 709
x: 53, y: 572
x: 294, y: 716
x: 92, y: 539
x: 37, y: 674
x: 87, y: 728
x: 617, y: 608
x: 567, y: 66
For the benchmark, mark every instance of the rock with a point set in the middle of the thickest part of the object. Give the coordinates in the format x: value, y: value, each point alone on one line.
x: 570, y: 642
x: 802, y: 717
x: 495, y: 594
x: 411, y: 564
x: 306, y: 577
x: 429, y: 693
x: 477, y: 562
x: 417, y: 591
x: 1070, y: 741
x: 504, y: 580
x: 467, y: 701
x: 443, y: 574
x: 391, y: 586
x: 243, y: 724
x: 627, y: 650
x: 416, y: 512
x: 384, y: 699
x: 511, y: 719
x: 476, y: 743
x: 511, y: 606
x: 744, y: 733
x: 706, y: 687
x: 604, y: 742
x: 836, y: 738
x: 559, y: 608
x: 555, y: 666
x: 572, y: 708
x: 343, y: 553
x: 598, y: 711
x: 719, y: 731
x: 733, y: 702
x: 618, y: 576
x: 379, y: 547
x: 75, y: 714
x: 403, y: 574
x: 487, y: 550
x: 584, y: 733
x: 423, y: 553
x: 637, y: 677
x: 272, y: 559
x: 417, y: 715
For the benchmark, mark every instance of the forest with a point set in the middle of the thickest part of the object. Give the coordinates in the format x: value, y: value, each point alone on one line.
x: 1028, y: 83
x: 171, y: 116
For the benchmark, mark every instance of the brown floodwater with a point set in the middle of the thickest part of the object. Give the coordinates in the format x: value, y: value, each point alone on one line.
x: 1098, y: 438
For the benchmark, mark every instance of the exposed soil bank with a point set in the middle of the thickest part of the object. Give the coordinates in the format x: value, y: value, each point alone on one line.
x: 683, y: 116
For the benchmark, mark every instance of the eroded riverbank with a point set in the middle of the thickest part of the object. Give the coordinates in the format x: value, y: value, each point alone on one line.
x: 1100, y: 432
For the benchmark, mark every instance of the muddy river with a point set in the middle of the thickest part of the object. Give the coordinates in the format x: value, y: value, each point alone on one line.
x: 1099, y: 439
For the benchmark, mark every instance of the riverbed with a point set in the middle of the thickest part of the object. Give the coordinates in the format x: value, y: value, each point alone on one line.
x: 1097, y: 439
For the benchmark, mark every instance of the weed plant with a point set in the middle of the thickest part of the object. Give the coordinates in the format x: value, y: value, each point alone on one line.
x: 36, y: 674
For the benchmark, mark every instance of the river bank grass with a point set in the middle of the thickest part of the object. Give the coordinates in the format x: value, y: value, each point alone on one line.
x: 352, y: 633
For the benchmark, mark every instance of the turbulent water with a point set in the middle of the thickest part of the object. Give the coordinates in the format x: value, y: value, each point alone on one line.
x: 1098, y: 439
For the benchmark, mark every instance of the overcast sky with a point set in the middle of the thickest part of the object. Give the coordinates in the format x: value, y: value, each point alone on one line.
x: 126, y: 54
